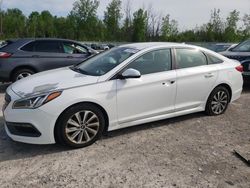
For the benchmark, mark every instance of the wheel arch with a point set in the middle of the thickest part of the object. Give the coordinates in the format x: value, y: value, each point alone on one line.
x: 106, y: 117
x: 22, y: 67
x: 227, y: 86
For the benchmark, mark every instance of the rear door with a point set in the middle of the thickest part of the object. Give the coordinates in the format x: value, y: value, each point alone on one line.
x: 195, y: 78
x: 45, y: 54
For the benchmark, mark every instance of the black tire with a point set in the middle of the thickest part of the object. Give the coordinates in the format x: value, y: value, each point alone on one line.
x: 17, y: 73
x: 211, y: 102
x: 62, y: 123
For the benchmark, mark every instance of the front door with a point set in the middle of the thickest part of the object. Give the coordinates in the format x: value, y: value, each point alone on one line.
x: 151, y: 95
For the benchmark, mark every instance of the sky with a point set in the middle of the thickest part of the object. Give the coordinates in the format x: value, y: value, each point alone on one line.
x: 188, y: 13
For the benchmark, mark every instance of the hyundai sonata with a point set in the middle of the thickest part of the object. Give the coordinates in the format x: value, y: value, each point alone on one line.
x: 128, y: 85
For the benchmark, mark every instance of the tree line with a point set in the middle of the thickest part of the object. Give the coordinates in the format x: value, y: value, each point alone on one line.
x: 121, y: 24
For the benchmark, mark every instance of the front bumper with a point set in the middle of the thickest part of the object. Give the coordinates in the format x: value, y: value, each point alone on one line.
x: 42, y: 121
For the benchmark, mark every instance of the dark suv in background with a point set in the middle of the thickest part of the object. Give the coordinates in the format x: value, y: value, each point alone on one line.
x: 22, y: 57
x: 241, y: 52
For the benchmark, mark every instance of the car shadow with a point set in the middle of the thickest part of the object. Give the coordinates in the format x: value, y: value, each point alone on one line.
x: 153, y: 125
x: 11, y: 150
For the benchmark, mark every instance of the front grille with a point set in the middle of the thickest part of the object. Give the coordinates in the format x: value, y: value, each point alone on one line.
x: 23, y: 129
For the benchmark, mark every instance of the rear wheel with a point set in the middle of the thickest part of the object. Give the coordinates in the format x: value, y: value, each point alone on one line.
x: 218, y: 101
x: 80, y: 126
x: 21, y: 73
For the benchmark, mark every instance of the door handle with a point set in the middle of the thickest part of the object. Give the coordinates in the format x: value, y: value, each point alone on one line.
x: 168, y: 82
x: 209, y: 75
x: 69, y: 56
x: 36, y: 56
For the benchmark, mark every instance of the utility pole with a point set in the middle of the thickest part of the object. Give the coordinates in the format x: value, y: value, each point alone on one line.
x: 1, y: 24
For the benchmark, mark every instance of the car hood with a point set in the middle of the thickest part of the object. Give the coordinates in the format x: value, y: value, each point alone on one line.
x: 57, y: 79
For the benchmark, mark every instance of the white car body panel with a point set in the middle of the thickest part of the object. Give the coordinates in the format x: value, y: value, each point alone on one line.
x: 127, y: 102
x: 193, y: 86
x: 62, y: 78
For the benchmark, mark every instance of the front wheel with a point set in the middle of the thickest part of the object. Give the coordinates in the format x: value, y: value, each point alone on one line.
x: 218, y: 101
x: 80, y: 126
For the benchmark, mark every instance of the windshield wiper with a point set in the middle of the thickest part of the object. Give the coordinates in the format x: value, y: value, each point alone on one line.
x: 77, y: 69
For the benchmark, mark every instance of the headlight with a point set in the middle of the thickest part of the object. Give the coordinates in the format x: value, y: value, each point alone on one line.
x: 35, y: 101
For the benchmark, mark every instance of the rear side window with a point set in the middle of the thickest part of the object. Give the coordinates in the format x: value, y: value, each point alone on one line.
x: 190, y: 58
x: 29, y: 47
x: 48, y: 46
x: 213, y: 60
x: 43, y: 46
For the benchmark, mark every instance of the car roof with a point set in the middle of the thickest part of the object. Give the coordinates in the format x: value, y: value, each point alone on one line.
x: 32, y: 39
x: 19, y: 42
x: 145, y: 45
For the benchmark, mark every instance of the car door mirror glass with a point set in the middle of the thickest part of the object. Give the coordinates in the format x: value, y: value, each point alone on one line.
x: 130, y: 73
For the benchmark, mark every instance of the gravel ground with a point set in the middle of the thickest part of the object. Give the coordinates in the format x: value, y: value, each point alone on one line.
x: 188, y: 151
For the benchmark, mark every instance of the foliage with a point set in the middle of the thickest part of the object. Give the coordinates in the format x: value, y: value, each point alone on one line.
x: 139, y: 25
x: 112, y: 17
x: 82, y: 23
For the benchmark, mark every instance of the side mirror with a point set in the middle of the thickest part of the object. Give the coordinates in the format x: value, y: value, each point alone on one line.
x: 130, y: 73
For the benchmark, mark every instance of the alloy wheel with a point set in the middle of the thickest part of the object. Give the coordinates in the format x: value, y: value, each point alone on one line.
x: 23, y: 75
x: 82, y: 127
x: 219, y: 102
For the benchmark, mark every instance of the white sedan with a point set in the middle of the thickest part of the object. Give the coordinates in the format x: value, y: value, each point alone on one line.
x: 126, y: 86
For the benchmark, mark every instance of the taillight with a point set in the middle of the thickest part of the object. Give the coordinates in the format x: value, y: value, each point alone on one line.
x: 239, y: 68
x: 5, y: 55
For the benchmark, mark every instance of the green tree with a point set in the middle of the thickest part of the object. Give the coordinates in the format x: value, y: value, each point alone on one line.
x: 139, y: 26
x: 231, y: 26
x: 112, y: 18
x: 46, y: 24
x: 127, y: 27
x: 32, y: 24
x: 246, y: 26
x: 169, y: 29
x: 14, y: 24
x: 215, y: 27
x: 84, y: 14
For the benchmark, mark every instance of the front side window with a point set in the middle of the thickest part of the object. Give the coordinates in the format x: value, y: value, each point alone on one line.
x: 190, y: 58
x: 242, y: 47
x: 106, y: 61
x: 153, y: 62
x: 72, y: 48
x: 48, y: 46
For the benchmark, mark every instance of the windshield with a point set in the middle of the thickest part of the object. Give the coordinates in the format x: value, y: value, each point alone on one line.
x: 106, y: 61
x: 242, y: 47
